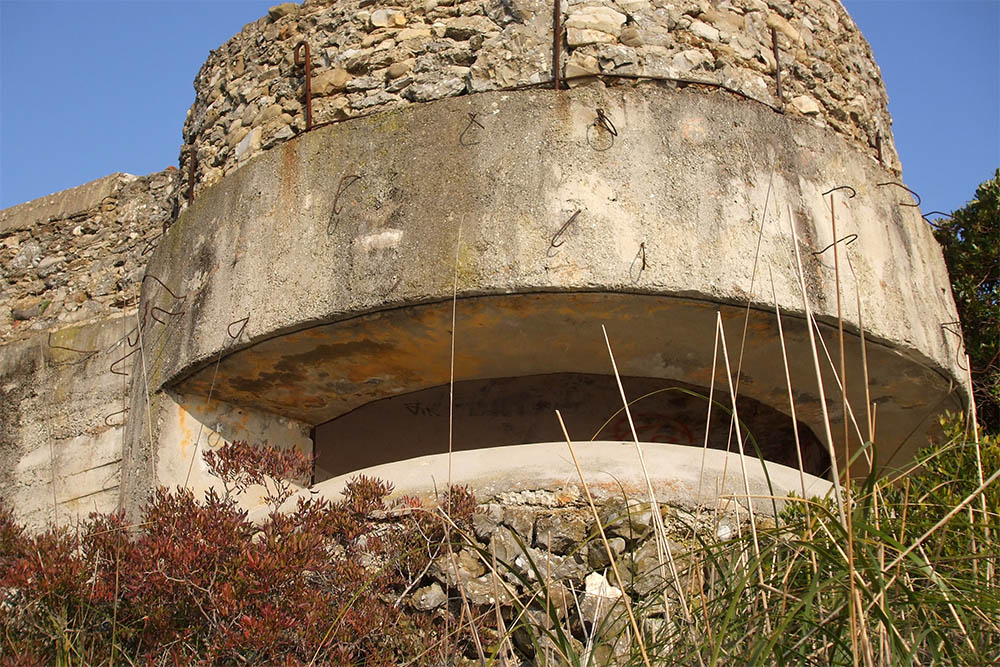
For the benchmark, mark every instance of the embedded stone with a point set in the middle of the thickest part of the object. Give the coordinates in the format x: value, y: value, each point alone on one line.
x: 486, y: 590
x: 26, y: 257
x: 599, y: 598
x: 521, y: 520
x: 384, y: 18
x: 560, y: 533
x: 249, y: 145
x: 464, y: 27
x: 581, y: 65
x: 704, y: 31
x: 804, y: 105
x: 397, y: 70
x: 330, y: 81
x: 784, y: 27
x: 49, y: 265
x: 597, y: 552
x: 282, y: 10
x: 582, y: 36
x: 690, y: 60
x: 630, y: 37
x: 434, y: 90
x: 429, y: 597
x: 600, y: 19
x: 412, y: 33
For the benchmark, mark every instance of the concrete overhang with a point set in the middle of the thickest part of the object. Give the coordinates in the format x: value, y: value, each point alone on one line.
x: 319, y: 276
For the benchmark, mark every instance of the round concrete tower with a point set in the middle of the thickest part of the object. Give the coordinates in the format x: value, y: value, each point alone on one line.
x: 385, y: 196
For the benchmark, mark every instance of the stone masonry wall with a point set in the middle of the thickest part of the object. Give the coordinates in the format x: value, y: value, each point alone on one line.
x: 370, y: 56
x: 79, y: 254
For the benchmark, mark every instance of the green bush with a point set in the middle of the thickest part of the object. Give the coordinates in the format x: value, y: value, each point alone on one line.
x: 970, y: 239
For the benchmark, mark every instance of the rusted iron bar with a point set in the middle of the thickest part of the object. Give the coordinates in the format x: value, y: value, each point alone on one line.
x: 192, y: 161
x: 118, y: 361
x: 242, y: 322
x: 556, y: 42
x: 307, y: 61
x: 472, y: 121
x: 87, y: 354
x: 900, y: 185
x: 562, y: 230
x: 853, y: 194
x: 150, y: 276
x: 927, y: 219
x: 168, y: 313
x: 850, y: 238
x: 107, y: 418
x: 346, y: 181
x: 777, y: 64
x: 602, y: 120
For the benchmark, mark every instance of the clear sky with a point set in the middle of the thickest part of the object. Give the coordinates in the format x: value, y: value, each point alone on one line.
x: 92, y: 87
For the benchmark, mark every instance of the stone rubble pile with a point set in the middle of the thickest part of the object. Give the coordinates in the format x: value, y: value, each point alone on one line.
x: 553, y: 545
x: 369, y: 57
x: 85, y: 266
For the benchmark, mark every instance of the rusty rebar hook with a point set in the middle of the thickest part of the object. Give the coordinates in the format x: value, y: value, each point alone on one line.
x: 307, y: 61
x: 955, y: 328
x: 602, y: 120
x: 162, y: 284
x: 168, y: 313
x: 777, y: 65
x: 107, y: 418
x: 118, y: 361
x: 192, y: 164
x: 243, y: 321
x: 150, y: 245
x: 472, y: 121
x: 346, y: 181
x: 562, y: 230
x: 640, y: 256
x: 850, y: 238
x: 900, y: 185
x: 842, y: 187
x: 932, y: 224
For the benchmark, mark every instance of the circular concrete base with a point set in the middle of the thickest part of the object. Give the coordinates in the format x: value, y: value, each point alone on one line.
x: 681, y: 476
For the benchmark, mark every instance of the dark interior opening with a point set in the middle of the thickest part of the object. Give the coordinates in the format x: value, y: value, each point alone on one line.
x: 521, y: 410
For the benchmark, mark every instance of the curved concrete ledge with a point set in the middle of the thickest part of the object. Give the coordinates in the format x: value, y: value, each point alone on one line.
x: 611, y: 468
x: 318, y: 277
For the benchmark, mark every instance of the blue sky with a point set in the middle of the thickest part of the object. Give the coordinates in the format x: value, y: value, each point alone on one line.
x: 88, y: 88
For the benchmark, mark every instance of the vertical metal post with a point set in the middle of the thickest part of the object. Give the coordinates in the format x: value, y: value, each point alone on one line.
x: 556, y: 42
x: 777, y: 64
x: 192, y: 162
x: 307, y: 61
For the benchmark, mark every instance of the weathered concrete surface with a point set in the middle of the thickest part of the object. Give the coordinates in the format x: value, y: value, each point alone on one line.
x: 61, y: 422
x: 62, y: 204
x: 678, y: 477
x: 328, y: 268
x: 188, y: 426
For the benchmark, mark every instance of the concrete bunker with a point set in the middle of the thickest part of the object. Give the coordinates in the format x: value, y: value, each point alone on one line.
x: 336, y: 253
x: 304, y: 297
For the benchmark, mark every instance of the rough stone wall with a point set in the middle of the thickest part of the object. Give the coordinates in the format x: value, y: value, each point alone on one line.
x: 79, y: 254
x: 71, y: 267
x: 369, y: 57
